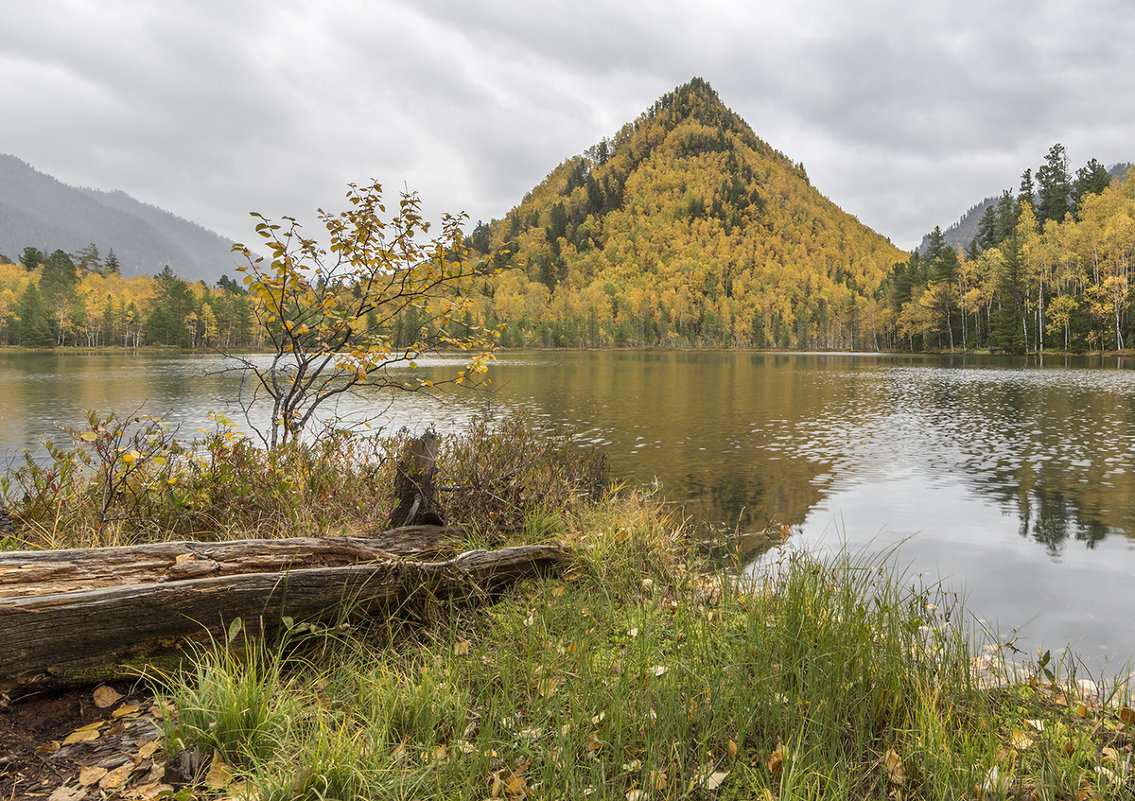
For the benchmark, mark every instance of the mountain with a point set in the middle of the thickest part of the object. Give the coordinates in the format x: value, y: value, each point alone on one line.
x: 684, y: 229
x: 965, y: 229
x: 37, y: 210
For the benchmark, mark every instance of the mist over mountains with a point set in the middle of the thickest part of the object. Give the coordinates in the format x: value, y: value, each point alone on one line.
x: 37, y: 210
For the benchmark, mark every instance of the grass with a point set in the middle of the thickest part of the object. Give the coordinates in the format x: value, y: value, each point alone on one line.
x: 638, y: 675
x: 647, y: 671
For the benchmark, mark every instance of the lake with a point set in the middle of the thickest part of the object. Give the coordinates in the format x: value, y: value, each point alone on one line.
x: 1011, y: 480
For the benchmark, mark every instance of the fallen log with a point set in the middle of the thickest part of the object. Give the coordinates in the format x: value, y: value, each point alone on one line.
x: 45, y: 572
x: 72, y: 623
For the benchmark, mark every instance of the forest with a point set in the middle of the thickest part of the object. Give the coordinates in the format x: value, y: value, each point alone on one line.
x: 687, y: 230
x: 1049, y: 269
x: 82, y: 299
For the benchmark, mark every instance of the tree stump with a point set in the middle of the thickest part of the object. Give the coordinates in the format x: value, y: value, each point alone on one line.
x: 7, y: 525
x: 415, y: 484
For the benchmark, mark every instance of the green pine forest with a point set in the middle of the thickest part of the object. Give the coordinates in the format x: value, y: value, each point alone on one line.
x: 687, y: 230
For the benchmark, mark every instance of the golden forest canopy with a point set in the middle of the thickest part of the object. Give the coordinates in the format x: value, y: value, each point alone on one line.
x: 684, y: 229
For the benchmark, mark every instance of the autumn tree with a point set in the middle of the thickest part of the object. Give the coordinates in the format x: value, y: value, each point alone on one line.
x: 331, y: 315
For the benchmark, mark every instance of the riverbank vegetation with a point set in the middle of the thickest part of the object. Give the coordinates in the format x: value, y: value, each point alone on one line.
x: 645, y: 671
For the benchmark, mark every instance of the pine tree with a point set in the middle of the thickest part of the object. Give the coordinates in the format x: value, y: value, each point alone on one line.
x: 1055, y: 186
x: 33, y: 323
x: 1091, y: 179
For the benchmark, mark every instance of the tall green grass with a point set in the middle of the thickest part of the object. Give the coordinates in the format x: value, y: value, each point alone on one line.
x: 639, y: 675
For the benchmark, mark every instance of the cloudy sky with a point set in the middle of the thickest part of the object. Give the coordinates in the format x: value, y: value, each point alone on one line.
x: 904, y: 112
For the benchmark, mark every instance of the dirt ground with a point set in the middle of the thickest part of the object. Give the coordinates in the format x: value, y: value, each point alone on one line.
x: 83, y: 743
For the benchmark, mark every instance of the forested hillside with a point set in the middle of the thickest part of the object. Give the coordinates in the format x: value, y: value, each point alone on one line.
x: 1050, y: 268
x: 684, y: 229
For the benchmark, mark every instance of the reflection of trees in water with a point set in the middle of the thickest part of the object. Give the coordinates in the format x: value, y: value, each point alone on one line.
x: 1051, y: 516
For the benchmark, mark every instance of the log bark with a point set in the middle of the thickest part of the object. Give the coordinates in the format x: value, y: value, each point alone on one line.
x: 72, y: 622
x: 25, y: 573
x: 415, y: 483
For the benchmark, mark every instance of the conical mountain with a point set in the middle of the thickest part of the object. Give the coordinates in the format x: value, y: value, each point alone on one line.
x: 684, y: 229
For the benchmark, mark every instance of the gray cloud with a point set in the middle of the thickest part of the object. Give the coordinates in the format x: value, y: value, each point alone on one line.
x: 905, y: 114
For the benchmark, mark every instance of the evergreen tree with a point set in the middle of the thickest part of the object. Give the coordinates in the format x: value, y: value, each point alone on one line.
x: 1055, y: 186
x: 987, y: 230
x: 33, y: 323
x: 110, y: 266
x: 168, y: 322
x: 1008, y: 324
x: 88, y: 258
x: 1007, y: 212
x: 1027, y: 190
x: 32, y: 258
x: 1091, y: 179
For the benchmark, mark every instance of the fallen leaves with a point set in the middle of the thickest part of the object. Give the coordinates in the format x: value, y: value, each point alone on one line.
x: 708, y: 778
x: 84, y: 734
x: 510, y: 784
x: 896, y: 773
x: 106, y: 696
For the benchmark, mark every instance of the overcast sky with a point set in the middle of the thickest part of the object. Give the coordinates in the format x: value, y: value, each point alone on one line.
x: 904, y: 112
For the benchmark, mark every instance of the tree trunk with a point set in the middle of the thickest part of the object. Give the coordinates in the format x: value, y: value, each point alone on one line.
x: 74, y: 616
x: 415, y: 484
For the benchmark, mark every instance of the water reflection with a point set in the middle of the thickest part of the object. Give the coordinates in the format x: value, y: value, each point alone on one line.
x: 1011, y: 476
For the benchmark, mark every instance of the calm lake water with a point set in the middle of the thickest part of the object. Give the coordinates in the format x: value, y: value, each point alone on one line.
x: 1010, y: 480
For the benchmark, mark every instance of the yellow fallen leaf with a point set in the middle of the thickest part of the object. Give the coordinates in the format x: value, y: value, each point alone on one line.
x: 98, y: 724
x: 219, y: 776
x: 896, y: 773
x: 1020, y: 740
x: 658, y: 779
x: 124, y: 710
x: 117, y: 777
x: 90, y: 775
x: 1127, y: 715
x: 733, y: 749
x: 106, y: 696
x: 775, y: 762
x: 1082, y: 711
x: 81, y: 736
x: 1036, y: 724
x: 147, y: 750
x: 48, y: 748
x: 637, y: 795
x: 461, y: 648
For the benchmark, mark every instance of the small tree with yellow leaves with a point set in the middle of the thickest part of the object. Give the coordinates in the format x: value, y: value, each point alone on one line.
x: 338, y: 319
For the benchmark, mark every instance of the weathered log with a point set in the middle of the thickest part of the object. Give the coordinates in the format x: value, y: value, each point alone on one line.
x: 95, y: 630
x: 25, y: 573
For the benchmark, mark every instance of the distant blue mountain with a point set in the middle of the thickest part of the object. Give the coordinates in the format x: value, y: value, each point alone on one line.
x: 37, y: 210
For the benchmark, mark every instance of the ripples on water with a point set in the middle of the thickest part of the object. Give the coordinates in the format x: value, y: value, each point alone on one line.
x: 1010, y: 481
